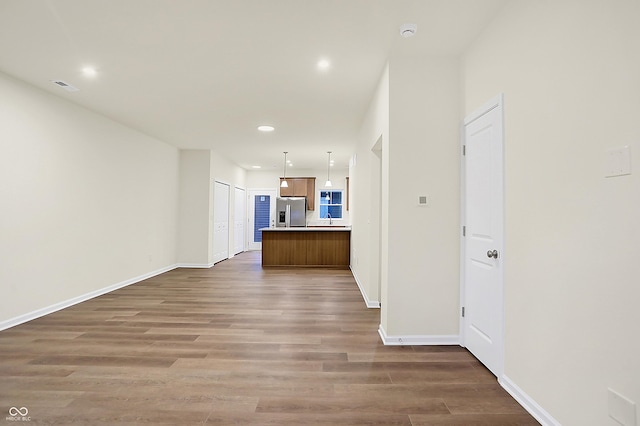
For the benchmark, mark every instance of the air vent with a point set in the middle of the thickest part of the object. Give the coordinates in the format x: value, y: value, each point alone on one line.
x: 66, y: 86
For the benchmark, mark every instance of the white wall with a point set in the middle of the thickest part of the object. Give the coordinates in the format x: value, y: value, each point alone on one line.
x: 263, y: 179
x: 366, y: 192
x: 422, y: 292
x: 86, y: 202
x: 404, y: 255
x: 199, y: 169
x: 195, y: 203
x: 570, y: 73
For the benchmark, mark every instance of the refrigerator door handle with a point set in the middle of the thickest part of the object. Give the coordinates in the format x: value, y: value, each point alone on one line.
x: 287, y: 216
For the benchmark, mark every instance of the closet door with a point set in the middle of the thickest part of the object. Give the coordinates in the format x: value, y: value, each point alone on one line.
x: 220, y: 222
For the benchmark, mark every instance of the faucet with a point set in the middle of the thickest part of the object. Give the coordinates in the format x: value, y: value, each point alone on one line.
x: 330, y: 220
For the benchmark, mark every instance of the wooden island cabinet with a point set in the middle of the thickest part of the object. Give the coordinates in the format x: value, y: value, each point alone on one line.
x: 327, y: 247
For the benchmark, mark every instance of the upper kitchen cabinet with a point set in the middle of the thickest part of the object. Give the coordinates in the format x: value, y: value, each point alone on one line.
x: 301, y: 187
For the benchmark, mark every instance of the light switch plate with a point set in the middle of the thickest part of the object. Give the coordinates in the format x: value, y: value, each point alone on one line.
x: 621, y: 409
x: 617, y: 162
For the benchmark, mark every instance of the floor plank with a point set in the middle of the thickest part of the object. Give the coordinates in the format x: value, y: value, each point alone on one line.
x: 238, y: 344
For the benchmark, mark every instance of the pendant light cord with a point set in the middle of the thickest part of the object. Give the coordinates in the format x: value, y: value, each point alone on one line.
x: 328, y: 183
x: 284, y: 183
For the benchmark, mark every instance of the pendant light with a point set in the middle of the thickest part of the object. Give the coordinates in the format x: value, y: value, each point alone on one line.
x: 328, y: 182
x: 284, y: 183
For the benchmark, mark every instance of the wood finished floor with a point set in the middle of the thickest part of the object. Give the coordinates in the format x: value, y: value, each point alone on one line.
x: 236, y: 344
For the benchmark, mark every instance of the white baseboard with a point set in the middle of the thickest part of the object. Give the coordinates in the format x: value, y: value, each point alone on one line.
x: 527, y: 402
x: 195, y: 265
x: 369, y: 303
x: 12, y: 322
x: 417, y: 340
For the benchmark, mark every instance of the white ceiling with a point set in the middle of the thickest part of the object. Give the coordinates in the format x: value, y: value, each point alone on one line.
x: 203, y: 74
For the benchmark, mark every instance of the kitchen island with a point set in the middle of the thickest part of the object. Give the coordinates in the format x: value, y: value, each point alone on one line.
x: 316, y: 247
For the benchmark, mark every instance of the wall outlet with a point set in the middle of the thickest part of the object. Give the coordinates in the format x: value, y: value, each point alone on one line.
x: 621, y: 409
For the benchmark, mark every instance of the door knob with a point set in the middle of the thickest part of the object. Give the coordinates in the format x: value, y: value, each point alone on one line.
x: 492, y: 253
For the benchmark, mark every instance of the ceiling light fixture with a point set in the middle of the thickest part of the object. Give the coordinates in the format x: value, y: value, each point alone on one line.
x: 328, y: 182
x: 323, y: 65
x: 265, y: 128
x: 89, y: 72
x: 284, y: 183
x: 408, y: 30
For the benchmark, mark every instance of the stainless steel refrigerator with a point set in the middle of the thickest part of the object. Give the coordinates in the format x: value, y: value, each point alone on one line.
x: 291, y: 211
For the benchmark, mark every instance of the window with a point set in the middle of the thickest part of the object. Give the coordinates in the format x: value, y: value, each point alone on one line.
x: 331, y: 204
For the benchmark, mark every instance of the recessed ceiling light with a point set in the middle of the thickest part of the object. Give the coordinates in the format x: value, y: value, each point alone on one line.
x: 323, y: 65
x: 256, y: 167
x: 266, y: 128
x: 89, y: 72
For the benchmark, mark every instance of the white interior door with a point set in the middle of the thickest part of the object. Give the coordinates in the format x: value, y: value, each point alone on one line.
x: 262, y: 213
x: 483, y: 258
x: 220, y: 222
x: 239, y: 221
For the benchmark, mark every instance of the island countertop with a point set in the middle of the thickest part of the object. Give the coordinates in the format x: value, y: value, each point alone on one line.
x: 309, y: 228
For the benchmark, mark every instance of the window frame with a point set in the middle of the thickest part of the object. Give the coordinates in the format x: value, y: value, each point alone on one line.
x: 341, y: 204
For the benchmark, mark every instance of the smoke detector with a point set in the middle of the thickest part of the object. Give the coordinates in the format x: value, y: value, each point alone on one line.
x: 408, y: 30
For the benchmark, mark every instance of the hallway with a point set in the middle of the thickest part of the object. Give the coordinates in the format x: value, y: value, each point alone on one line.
x: 236, y: 344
